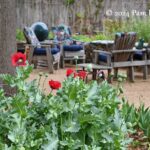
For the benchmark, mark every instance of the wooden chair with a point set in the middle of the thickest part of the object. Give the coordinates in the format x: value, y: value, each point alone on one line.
x: 48, y: 52
x: 122, y: 55
x: 148, y: 57
x: 70, y: 48
x: 69, y: 52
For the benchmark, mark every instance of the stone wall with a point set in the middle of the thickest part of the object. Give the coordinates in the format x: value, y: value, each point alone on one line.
x: 79, y: 15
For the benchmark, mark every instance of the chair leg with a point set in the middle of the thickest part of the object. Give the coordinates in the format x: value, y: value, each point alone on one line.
x: 145, y: 72
x: 62, y: 62
x: 50, y: 61
x: 109, y: 78
x: 57, y: 65
x: 131, y: 74
x: 35, y: 63
x: 30, y: 55
x: 50, y: 66
x: 115, y: 73
x: 148, y: 68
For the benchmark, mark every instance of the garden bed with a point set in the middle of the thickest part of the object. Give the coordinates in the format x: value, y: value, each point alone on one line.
x: 77, y: 116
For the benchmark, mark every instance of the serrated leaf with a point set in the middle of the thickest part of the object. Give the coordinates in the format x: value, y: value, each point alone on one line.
x: 107, y: 137
x: 19, y: 106
x: 92, y: 91
x: 71, y: 127
x: 52, y: 145
x: 52, y: 142
x: 72, y: 93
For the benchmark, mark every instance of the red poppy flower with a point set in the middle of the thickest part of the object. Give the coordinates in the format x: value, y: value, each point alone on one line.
x: 82, y: 74
x: 75, y: 74
x: 69, y: 72
x: 18, y: 59
x: 54, y: 84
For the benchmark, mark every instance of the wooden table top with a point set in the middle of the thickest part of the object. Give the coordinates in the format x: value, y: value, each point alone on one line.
x: 94, y: 66
x: 104, y: 42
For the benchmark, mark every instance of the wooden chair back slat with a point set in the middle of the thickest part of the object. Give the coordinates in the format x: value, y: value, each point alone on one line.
x: 124, y: 41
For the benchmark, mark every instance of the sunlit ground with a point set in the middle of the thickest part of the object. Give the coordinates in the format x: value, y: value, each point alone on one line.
x: 137, y: 92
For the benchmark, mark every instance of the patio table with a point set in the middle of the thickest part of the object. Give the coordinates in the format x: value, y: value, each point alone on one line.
x: 105, y: 43
x: 111, y: 42
x: 95, y: 68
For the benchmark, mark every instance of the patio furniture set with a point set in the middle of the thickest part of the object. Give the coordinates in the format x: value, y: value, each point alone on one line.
x: 54, y: 52
x: 116, y: 54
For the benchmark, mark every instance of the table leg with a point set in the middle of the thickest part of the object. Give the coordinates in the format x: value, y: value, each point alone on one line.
x: 94, y: 73
x: 109, y: 76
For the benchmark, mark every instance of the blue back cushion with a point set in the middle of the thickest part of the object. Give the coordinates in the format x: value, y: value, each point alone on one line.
x: 73, y: 48
x: 102, y: 57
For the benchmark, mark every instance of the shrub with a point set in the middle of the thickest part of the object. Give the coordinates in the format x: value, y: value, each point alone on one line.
x: 79, y: 116
x: 20, y: 35
x: 140, y: 26
x: 51, y: 35
x: 139, y: 120
x: 86, y: 38
x: 83, y: 38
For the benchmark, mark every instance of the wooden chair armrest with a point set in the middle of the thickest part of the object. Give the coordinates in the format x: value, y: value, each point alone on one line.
x: 29, y: 45
x: 148, y: 49
x: 46, y: 45
x: 101, y: 51
x: 42, y: 45
x: 127, y: 51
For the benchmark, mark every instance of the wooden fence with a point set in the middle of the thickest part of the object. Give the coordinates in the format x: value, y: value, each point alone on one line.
x: 81, y: 15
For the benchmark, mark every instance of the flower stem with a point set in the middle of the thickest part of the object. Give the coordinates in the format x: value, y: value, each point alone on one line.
x: 76, y: 65
x: 39, y: 81
x: 62, y: 138
x: 43, y: 83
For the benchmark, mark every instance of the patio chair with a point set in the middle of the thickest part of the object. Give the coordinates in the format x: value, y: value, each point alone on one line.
x: 70, y: 48
x: 122, y: 55
x: 148, y: 57
x: 142, y: 53
x: 49, y: 52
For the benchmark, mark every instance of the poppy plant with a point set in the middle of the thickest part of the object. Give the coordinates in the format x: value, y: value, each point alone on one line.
x: 54, y: 84
x: 75, y: 75
x: 18, y: 59
x: 69, y: 72
x: 82, y: 74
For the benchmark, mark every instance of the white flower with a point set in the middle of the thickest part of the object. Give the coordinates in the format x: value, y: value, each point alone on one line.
x: 76, y: 57
x: 89, y: 67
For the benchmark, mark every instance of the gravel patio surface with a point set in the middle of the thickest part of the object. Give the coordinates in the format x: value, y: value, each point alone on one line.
x: 137, y: 92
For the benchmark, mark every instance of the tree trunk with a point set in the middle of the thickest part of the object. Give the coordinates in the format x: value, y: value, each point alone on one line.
x: 7, y: 37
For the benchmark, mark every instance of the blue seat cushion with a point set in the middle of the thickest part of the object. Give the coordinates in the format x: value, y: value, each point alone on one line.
x: 55, y: 50
x: 73, y: 48
x: 138, y: 55
x: 42, y: 51
x: 102, y: 57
